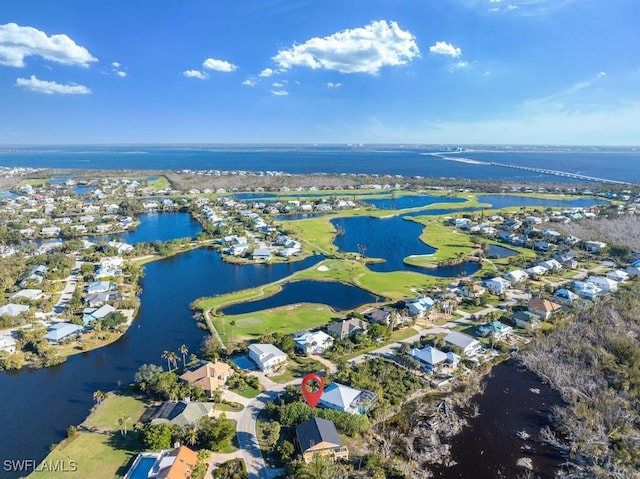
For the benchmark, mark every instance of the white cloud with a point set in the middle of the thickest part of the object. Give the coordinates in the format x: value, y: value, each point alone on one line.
x: 249, y: 82
x: 461, y: 65
x: 121, y: 74
x: 115, y: 65
x: 267, y: 72
x: 219, y: 65
x: 49, y: 87
x: 519, y: 7
x: 18, y: 42
x: 279, y: 92
x: 358, y: 50
x: 279, y: 84
x: 444, y: 48
x: 194, y: 74
x: 334, y: 85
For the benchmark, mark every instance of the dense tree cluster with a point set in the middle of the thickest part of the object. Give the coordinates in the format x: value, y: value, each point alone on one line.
x: 594, y: 361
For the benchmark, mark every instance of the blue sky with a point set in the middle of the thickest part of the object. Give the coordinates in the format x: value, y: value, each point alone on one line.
x: 300, y: 71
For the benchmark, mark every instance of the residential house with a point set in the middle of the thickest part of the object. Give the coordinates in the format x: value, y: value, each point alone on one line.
x: 587, y: 290
x: 606, y: 284
x: 565, y: 296
x: 95, y: 314
x: 543, y: 307
x: 319, y: 437
x: 30, y: 294
x: 419, y: 307
x: 496, y: 285
x: 95, y: 300
x: 594, y: 246
x: 551, y: 265
x: 181, y: 413
x: 543, y: 245
x: 378, y: 316
x: 13, y: 310
x: 7, y: 344
x: 347, y: 328
x: 633, y: 271
x: 313, y: 343
x: 618, y: 275
x: 536, y: 271
x: 100, y: 287
x: 177, y: 464
x: 262, y: 254
x: 473, y: 291
x: 346, y: 399
x: 468, y: 345
x: 209, y: 376
x: 432, y: 358
x: 526, y: 319
x: 516, y: 276
x: 495, y: 328
x: 568, y: 259
x: 59, y: 332
x: 266, y: 356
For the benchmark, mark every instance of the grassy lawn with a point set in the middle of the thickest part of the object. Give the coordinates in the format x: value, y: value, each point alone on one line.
x: 248, y: 392
x: 297, y: 368
x: 450, y: 243
x: 285, y: 320
x: 316, y: 232
x: 228, y: 407
x: 217, y: 302
x: 107, y: 415
x: 94, y: 456
x: 395, y: 336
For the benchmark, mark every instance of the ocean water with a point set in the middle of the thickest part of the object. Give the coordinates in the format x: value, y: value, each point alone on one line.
x: 613, y: 164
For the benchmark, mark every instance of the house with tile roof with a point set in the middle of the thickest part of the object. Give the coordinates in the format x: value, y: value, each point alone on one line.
x: 209, y: 376
x: 348, y: 328
x: 543, y: 307
x: 181, y: 413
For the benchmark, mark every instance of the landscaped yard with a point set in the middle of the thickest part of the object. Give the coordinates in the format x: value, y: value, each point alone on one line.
x: 248, y: 392
x: 298, y: 368
x: 112, y: 409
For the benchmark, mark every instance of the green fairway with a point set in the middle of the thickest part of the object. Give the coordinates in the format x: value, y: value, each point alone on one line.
x: 285, y: 320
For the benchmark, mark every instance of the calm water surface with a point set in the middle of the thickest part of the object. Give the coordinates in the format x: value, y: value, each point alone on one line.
x: 504, y: 201
x: 37, y: 406
x: 162, y: 227
x: 392, y: 239
x: 340, y: 296
x: 408, y: 201
x: 497, y: 251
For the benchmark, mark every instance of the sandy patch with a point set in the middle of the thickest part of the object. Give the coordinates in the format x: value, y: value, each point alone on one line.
x: 323, y: 268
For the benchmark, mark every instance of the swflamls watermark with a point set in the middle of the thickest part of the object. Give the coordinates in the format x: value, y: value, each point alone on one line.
x: 31, y: 465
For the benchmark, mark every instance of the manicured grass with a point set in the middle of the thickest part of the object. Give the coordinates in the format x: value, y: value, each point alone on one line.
x: 285, y: 320
x: 216, y: 302
x: 94, y: 456
x: 34, y: 181
x: 298, y: 368
x: 317, y: 233
x: 112, y: 409
x: 450, y: 243
x: 228, y: 407
x: 398, y: 335
x: 248, y: 392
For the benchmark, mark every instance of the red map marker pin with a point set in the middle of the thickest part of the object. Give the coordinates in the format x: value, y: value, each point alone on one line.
x: 312, y: 397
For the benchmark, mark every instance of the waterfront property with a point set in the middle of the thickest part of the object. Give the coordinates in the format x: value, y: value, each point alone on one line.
x: 319, y: 437
x: 543, y: 307
x: 176, y: 464
x: 347, y: 399
x: 59, y: 332
x: 209, y: 376
x: 313, y: 343
x: 181, y: 413
x: 347, y: 328
x: 469, y: 346
x: 433, y: 359
x: 494, y: 329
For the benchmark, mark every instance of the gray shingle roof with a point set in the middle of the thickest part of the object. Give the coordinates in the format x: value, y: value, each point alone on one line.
x: 314, y: 431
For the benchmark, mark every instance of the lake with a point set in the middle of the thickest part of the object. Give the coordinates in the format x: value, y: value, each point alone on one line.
x: 392, y: 239
x: 409, y: 201
x: 162, y: 227
x: 505, y: 201
x: 49, y: 400
x: 339, y: 296
x: 497, y: 251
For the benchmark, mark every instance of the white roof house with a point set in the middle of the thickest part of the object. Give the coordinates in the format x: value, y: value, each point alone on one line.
x: 61, y: 331
x: 7, y: 344
x: 419, y: 306
x: 551, y: 265
x: 340, y: 397
x: 31, y: 294
x: 606, y: 284
x: 92, y: 314
x: 516, y: 276
x: 100, y: 287
x: 618, y: 275
x: 13, y: 309
x: 536, y: 270
x: 266, y: 356
x: 313, y: 343
x: 469, y: 345
x: 587, y: 290
x: 431, y: 357
x: 496, y: 285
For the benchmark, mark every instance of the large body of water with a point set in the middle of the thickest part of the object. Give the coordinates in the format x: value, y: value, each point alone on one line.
x: 614, y: 164
x: 162, y: 227
x: 392, y: 239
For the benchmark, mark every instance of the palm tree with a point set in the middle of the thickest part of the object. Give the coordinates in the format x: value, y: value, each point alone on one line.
x: 173, y: 357
x: 193, y: 358
x: 184, y: 350
x: 191, y: 436
x: 167, y: 355
x: 122, y: 422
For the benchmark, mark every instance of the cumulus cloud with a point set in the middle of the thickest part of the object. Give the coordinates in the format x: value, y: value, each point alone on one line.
x: 121, y: 74
x: 334, y: 85
x: 279, y: 92
x: 116, y: 70
x: 219, y: 65
x: 279, y: 84
x: 194, y: 74
x: 359, y: 50
x: 18, y: 42
x: 115, y: 65
x: 249, y: 82
x: 267, y: 72
x: 444, y: 48
x: 50, y: 87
